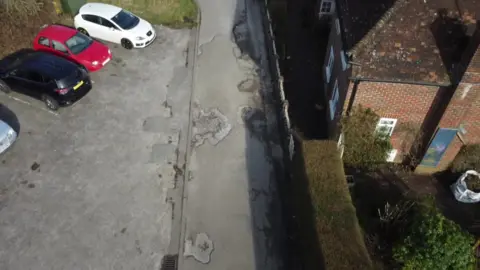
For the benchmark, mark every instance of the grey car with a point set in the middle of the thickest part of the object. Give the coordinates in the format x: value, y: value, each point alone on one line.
x: 7, y: 136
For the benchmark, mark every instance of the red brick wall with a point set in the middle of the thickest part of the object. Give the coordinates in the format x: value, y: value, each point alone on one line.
x: 405, y: 102
x: 411, y: 103
x: 464, y: 108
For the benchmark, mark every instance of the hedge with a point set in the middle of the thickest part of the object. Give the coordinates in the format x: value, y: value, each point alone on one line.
x: 338, y: 233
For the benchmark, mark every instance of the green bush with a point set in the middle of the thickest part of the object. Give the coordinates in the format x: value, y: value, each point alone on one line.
x: 467, y: 159
x: 434, y: 242
x: 339, y: 236
x: 364, y: 148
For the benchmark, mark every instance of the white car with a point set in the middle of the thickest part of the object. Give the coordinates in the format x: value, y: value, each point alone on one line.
x: 7, y: 136
x: 111, y: 23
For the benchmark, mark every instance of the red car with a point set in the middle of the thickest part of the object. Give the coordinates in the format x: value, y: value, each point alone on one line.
x: 73, y: 45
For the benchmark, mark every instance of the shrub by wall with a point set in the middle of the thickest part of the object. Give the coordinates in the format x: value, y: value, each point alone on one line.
x: 434, y: 242
x: 364, y: 148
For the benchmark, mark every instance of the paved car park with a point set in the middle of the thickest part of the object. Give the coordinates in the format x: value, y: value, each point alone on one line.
x: 86, y: 187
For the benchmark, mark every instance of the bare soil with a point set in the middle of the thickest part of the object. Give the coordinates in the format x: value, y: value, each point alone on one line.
x: 18, y: 30
x: 473, y: 183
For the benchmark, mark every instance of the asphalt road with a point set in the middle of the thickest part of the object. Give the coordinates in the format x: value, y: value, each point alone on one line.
x: 87, y: 187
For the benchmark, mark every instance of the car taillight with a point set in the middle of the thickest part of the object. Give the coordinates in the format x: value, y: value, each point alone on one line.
x: 62, y: 91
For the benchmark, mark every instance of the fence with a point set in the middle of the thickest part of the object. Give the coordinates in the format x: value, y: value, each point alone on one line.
x: 288, y: 143
x: 285, y: 132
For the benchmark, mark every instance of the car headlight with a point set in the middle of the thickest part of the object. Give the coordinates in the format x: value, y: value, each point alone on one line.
x: 95, y: 63
x: 11, y: 135
x: 139, y: 38
x: 109, y: 52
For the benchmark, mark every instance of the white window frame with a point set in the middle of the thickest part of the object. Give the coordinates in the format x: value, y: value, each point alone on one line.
x: 390, y: 125
x: 391, y: 155
x: 344, y: 60
x: 337, y: 26
x: 332, y: 7
x: 328, y: 68
x: 334, y: 100
x: 340, y: 145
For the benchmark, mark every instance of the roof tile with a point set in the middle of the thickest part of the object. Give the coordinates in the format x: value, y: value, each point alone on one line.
x: 407, y: 40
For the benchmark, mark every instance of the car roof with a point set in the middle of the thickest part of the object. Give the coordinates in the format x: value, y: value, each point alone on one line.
x: 44, y: 63
x: 99, y: 9
x: 58, y: 32
x: 50, y: 65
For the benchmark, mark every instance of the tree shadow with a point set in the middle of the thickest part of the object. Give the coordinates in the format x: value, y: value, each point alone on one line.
x: 305, y: 48
x: 372, y: 191
x: 451, y: 37
x: 467, y: 215
x: 263, y: 135
x: 428, y: 127
x: 9, y: 117
x: 386, y: 186
x: 360, y: 17
x: 304, y: 245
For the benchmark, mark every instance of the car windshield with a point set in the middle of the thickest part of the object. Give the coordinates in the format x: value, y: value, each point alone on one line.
x: 125, y: 20
x: 78, y: 43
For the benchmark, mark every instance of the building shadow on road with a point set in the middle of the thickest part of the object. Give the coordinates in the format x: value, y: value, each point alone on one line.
x: 9, y: 117
x: 263, y: 153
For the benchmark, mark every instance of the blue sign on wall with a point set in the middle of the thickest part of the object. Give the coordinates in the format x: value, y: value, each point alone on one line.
x: 438, y: 147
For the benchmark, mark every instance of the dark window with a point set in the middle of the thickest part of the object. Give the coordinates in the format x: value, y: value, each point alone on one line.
x: 107, y: 23
x: 19, y: 74
x: 91, y: 18
x: 44, y: 41
x: 30, y: 76
x: 47, y: 79
x: 326, y: 6
x: 59, y: 46
x: 78, y: 43
x: 35, y: 77
x: 126, y: 20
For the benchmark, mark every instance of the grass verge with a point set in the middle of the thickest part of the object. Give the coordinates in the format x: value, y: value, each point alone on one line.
x: 171, y: 13
x: 329, y: 234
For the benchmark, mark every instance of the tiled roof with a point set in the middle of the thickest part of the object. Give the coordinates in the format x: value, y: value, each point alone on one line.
x: 407, y: 40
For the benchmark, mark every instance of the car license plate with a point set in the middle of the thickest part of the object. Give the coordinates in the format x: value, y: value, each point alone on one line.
x: 78, y: 85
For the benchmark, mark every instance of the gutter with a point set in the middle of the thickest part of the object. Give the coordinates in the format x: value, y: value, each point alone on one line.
x: 356, y: 79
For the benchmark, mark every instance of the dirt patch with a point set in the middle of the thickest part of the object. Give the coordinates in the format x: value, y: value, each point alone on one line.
x: 473, y: 183
x: 18, y: 30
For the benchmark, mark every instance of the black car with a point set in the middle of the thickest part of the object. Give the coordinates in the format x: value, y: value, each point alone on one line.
x: 52, y: 79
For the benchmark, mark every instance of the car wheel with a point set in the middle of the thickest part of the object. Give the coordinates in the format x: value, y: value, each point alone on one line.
x: 51, y: 103
x: 82, y: 67
x: 127, y: 44
x: 4, y: 87
x: 83, y: 31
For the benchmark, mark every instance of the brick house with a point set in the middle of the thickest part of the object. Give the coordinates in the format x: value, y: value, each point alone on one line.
x: 416, y: 63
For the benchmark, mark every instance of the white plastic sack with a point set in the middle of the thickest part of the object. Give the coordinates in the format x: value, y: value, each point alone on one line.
x: 461, y: 192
